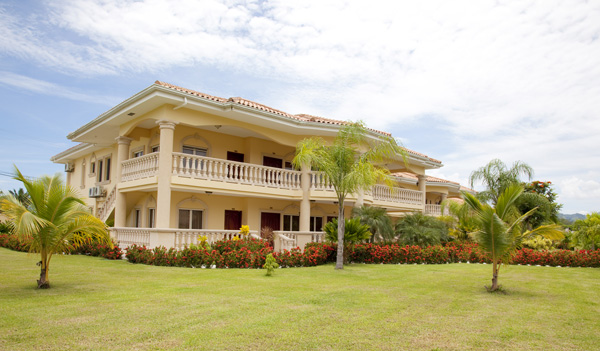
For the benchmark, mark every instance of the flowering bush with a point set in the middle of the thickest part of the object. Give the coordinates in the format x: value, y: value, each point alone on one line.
x: 563, y: 258
x: 93, y: 248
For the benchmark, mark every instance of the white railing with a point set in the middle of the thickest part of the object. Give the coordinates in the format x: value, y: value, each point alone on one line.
x: 202, y: 167
x: 109, y: 204
x: 320, y: 181
x: 433, y: 210
x: 129, y: 236
x: 140, y: 167
x: 187, y: 237
x: 401, y: 195
x: 289, y: 239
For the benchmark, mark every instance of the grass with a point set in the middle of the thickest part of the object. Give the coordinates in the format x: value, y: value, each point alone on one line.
x: 100, y: 304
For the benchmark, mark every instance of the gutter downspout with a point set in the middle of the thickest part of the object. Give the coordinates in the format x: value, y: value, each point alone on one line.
x: 185, y: 102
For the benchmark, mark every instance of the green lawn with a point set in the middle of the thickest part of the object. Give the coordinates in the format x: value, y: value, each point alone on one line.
x: 100, y: 304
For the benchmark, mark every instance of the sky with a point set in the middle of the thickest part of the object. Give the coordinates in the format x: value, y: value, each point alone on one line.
x: 464, y: 82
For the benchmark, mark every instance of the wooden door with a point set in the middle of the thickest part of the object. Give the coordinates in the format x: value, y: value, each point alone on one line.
x: 237, y: 157
x: 233, y: 220
x: 272, y: 162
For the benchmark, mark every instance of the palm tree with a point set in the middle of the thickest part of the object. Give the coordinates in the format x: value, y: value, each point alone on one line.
x: 496, y: 177
x: 378, y: 220
x: 461, y: 219
x: 20, y: 195
x: 500, y: 228
x: 55, y: 216
x: 350, y: 164
x: 419, y: 229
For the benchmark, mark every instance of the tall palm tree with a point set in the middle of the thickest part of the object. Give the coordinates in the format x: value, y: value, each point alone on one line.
x: 500, y: 228
x: 20, y: 195
x: 55, y: 216
x: 378, y: 220
x: 496, y: 177
x: 350, y: 163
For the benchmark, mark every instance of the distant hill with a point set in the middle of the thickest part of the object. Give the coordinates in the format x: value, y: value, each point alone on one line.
x: 571, y: 217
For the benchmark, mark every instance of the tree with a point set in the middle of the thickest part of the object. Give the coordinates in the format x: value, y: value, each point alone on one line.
x: 378, y: 221
x: 350, y: 163
x: 54, y: 217
x: 500, y: 228
x: 541, y: 195
x: 422, y: 230
x: 21, y: 195
x: 586, y: 235
x: 496, y: 177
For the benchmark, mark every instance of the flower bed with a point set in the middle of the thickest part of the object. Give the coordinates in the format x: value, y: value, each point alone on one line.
x: 15, y: 243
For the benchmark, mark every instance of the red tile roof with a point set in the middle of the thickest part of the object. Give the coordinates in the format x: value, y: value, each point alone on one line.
x: 429, y: 178
x: 299, y: 117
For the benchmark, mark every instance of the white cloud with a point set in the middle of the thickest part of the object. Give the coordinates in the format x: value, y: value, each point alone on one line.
x: 580, y: 188
x: 515, y: 81
x: 43, y: 87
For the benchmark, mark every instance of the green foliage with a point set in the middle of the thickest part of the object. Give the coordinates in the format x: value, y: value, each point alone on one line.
x: 539, y: 243
x: 355, y: 231
x: 270, y: 264
x: 497, y: 177
x: 379, y: 222
x: 422, y: 230
x: 21, y: 195
x: 5, y: 227
x: 461, y: 220
x: 586, y: 232
x: 501, y: 230
x: 349, y: 164
x: 54, y: 219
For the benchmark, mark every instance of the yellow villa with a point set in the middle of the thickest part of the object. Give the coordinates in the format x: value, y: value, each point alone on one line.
x: 170, y: 164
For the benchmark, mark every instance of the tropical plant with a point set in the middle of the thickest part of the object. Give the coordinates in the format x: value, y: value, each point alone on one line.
x: 586, y: 234
x: 355, y: 231
x: 377, y: 219
x: 350, y: 164
x: 54, y: 216
x: 422, y: 230
x: 500, y: 228
x: 461, y: 219
x: 496, y: 177
x: 21, y: 195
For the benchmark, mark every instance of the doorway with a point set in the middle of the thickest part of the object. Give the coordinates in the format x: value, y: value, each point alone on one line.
x: 233, y: 220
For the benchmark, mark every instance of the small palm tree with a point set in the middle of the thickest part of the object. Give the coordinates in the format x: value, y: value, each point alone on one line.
x: 20, y: 195
x: 351, y: 164
x: 496, y: 177
x: 419, y: 229
x: 55, y: 216
x: 378, y: 220
x: 500, y: 228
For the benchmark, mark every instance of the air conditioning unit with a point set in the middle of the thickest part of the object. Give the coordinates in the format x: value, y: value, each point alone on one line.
x: 96, y: 191
x: 69, y: 167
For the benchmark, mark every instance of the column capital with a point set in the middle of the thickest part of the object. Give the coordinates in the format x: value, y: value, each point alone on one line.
x: 166, y: 124
x: 421, y: 177
x: 122, y: 140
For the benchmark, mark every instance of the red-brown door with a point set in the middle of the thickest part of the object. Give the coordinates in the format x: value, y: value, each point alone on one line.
x: 233, y: 220
x: 271, y: 221
x: 235, y: 156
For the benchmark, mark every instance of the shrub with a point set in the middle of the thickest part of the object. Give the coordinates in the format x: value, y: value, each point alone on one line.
x: 419, y: 229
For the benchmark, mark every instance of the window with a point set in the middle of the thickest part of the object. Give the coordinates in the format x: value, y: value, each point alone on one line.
x: 194, y: 151
x: 190, y: 219
x: 100, y: 163
x: 137, y: 218
x: 288, y: 166
x: 139, y: 153
x: 107, y: 171
x: 316, y: 224
x: 155, y: 148
x: 151, y: 215
x: 291, y: 223
x: 93, y: 168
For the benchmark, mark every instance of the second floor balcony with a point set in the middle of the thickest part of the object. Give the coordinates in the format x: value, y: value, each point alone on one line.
x: 222, y: 173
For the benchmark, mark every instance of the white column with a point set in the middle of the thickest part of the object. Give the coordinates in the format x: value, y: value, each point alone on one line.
x: 165, y: 159
x: 423, y: 190
x: 360, y: 198
x: 305, y: 202
x: 120, y: 198
x: 444, y: 197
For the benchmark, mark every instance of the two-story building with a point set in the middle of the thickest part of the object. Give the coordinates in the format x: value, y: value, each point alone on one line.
x: 170, y: 164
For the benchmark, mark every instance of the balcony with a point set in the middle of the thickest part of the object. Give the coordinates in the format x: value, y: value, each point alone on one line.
x: 258, y: 177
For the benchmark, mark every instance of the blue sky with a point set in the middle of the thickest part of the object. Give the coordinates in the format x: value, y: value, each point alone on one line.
x: 461, y: 81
